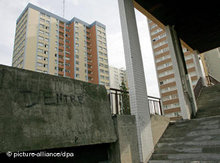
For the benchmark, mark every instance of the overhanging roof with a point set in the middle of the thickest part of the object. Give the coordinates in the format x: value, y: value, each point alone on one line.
x: 196, y: 24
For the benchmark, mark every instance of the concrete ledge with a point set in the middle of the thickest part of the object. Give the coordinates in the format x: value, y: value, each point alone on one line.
x: 125, y: 150
x: 40, y: 111
x: 158, y: 126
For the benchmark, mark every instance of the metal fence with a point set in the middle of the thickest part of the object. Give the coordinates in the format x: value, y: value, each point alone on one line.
x: 117, y: 104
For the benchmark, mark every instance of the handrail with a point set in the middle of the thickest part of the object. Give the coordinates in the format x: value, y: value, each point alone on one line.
x: 115, y: 96
x: 114, y: 89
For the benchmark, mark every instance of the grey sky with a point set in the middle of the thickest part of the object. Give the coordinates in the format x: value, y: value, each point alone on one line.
x: 104, y: 11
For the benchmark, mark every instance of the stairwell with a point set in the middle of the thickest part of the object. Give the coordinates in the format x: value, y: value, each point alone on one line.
x: 196, y: 140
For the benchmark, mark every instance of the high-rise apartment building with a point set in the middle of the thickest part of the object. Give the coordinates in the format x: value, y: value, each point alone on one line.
x: 165, y: 72
x: 211, y: 63
x: 117, y: 76
x: 47, y: 43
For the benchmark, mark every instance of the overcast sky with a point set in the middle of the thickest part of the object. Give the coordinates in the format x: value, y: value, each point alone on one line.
x: 104, y: 11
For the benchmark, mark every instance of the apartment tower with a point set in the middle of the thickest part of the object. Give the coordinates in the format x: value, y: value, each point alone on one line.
x: 47, y: 43
x: 165, y: 72
x: 117, y: 76
x: 211, y: 63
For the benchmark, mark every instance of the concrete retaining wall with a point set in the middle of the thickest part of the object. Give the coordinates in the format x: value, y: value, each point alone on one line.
x: 125, y: 150
x: 40, y: 111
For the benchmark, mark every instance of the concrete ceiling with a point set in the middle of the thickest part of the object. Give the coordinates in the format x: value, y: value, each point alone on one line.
x: 197, y: 24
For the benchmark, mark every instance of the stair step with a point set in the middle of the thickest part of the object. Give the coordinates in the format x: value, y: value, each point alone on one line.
x: 178, y: 133
x: 200, y: 157
x: 189, y: 138
x: 187, y: 149
x: 196, y: 140
x: 195, y: 143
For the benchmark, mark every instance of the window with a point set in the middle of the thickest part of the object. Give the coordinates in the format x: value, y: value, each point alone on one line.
x: 46, y: 39
x: 41, y: 25
x: 39, y: 64
x: 77, y: 68
x: 102, y: 77
x: 77, y: 75
x: 39, y: 57
x: 156, y: 31
x: 42, y: 20
x: 77, y: 62
x: 42, y: 14
x: 40, y: 44
x: 41, y: 38
x: 153, y: 26
x: 40, y: 50
x: 41, y: 32
x: 76, y: 51
x: 46, y: 45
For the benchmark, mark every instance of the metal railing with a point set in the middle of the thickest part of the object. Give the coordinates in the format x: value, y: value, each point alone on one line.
x: 119, y: 101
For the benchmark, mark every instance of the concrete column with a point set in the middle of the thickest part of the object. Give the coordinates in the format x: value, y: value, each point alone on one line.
x: 184, y: 85
x: 198, y: 67
x: 136, y: 79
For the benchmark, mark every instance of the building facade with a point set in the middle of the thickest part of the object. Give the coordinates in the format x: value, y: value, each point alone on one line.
x: 211, y: 63
x: 117, y: 76
x: 47, y: 43
x: 168, y: 84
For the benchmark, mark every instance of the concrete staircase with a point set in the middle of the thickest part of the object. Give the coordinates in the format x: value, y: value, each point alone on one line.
x: 196, y: 140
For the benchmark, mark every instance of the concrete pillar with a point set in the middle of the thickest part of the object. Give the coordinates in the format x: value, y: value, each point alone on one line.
x: 136, y: 79
x: 183, y: 80
x: 198, y: 67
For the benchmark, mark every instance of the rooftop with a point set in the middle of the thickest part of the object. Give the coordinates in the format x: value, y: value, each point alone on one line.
x: 58, y: 17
